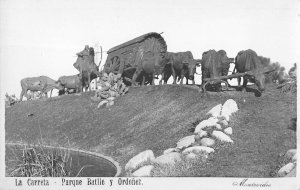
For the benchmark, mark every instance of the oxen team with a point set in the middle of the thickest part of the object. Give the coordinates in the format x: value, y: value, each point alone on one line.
x: 214, y: 65
x: 88, y: 71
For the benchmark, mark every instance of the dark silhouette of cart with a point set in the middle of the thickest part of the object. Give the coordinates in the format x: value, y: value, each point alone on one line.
x: 124, y: 59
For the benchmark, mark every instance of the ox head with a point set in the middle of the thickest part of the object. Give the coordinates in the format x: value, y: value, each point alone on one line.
x: 258, y: 77
x: 59, y: 84
x: 191, y: 66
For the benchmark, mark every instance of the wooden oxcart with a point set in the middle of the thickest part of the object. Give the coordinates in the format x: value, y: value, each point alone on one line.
x: 124, y: 59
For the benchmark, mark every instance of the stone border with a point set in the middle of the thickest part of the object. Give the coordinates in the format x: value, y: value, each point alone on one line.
x: 200, y: 143
x: 116, y: 164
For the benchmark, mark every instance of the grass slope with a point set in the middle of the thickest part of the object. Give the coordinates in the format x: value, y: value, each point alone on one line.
x: 156, y: 117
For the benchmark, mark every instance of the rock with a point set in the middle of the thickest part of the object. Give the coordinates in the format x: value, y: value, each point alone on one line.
x: 294, y: 159
x: 142, y: 157
x: 206, y: 123
x: 110, y: 103
x: 215, y: 111
x: 113, y: 94
x: 197, y: 137
x: 107, y: 84
x: 290, y: 153
x: 207, y: 142
x: 218, y: 126
x: 286, y: 169
x: 198, y: 150
x: 102, y: 103
x: 191, y: 155
x: 221, y: 136
x: 111, y: 98
x: 200, y: 134
x: 169, y: 158
x: 186, y: 141
x: 292, y: 173
x: 228, y: 130
x: 223, y: 122
x: 228, y: 108
x: 144, y: 171
x: 169, y: 150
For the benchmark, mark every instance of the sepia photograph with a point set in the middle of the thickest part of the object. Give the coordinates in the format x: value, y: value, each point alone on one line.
x: 149, y: 94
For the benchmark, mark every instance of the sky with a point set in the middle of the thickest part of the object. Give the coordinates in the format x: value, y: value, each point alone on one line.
x: 41, y: 37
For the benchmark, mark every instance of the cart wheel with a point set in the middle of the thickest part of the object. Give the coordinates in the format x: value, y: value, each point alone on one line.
x: 115, y: 63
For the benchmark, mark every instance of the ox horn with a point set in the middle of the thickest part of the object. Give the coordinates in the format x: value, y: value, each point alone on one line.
x: 268, y: 71
x: 248, y: 73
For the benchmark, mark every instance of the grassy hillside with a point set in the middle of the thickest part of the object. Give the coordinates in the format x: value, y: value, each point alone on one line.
x: 156, y: 117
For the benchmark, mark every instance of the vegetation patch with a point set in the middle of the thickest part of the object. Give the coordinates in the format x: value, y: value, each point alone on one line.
x: 155, y: 117
x: 37, y: 161
x: 183, y: 168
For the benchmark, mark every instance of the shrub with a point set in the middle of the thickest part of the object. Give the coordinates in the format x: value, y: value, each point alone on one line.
x: 38, y: 162
x: 10, y: 100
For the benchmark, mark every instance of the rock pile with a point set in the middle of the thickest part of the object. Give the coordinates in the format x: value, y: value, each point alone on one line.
x: 10, y: 100
x: 110, y: 86
x: 289, y: 170
x: 199, y: 145
x: 216, y: 127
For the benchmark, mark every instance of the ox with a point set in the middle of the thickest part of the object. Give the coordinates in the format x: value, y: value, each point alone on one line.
x: 149, y: 66
x: 214, y: 65
x: 42, y: 83
x: 69, y: 82
x: 85, y: 64
x: 180, y: 64
x: 247, y: 61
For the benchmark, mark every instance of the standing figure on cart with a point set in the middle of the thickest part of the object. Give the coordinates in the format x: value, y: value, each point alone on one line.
x: 85, y: 64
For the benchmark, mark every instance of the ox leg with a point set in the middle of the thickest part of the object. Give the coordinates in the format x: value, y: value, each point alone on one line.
x: 203, y: 87
x: 23, y: 92
x: 81, y: 81
x: 89, y: 81
x: 181, y: 81
x: 182, y: 76
x: 166, y: 78
x: 152, y: 80
x: 244, y: 85
x: 162, y: 78
x: 135, y: 75
x: 51, y: 92
x: 143, y: 81
x: 174, y: 75
x: 239, y: 82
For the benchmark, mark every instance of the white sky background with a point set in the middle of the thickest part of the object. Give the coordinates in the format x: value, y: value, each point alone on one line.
x: 41, y: 37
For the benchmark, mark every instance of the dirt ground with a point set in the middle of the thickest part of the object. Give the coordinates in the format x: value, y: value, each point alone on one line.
x: 156, y: 117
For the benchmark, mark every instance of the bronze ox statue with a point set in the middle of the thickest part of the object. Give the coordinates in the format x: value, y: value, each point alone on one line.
x: 43, y: 84
x: 69, y: 83
x: 147, y: 68
x: 179, y: 65
x: 248, y: 62
x: 214, y: 65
